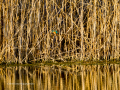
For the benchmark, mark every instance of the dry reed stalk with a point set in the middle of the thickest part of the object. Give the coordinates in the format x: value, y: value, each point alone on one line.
x: 94, y: 29
x: 5, y: 13
x: 27, y: 40
x: 1, y: 32
x: 71, y: 16
x: 12, y: 31
x: 33, y: 30
x: 118, y: 31
x: 38, y: 28
x: 104, y: 28
x: 87, y: 30
x: 82, y: 29
x: 65, y: 28
x: 1, y: 18
x: 59, y: 25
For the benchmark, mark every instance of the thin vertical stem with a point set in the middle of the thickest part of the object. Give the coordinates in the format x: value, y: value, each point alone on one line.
x: 82, y: 29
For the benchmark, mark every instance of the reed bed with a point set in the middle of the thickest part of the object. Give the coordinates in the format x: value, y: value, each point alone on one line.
x: 73, y: 77
x: 87, y: 30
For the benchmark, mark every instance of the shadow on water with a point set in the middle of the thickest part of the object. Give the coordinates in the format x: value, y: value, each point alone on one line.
x: 61, y: 77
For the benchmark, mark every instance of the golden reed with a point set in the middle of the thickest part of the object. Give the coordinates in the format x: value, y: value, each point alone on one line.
x: 87, y: 30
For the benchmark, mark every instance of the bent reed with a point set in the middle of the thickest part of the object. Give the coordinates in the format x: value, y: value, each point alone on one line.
x: 87, y: 30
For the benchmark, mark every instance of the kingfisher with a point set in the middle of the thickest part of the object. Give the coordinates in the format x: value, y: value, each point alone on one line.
x: 55, y: 32
x: 55, y: 35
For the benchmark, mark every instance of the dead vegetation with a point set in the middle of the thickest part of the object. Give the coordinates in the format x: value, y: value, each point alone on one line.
x: 87, y: 30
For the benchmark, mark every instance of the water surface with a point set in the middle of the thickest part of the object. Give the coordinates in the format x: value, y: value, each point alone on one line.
x: 61, y: 77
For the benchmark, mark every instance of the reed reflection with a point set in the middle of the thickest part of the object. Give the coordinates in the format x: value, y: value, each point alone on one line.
x: 55, y: 77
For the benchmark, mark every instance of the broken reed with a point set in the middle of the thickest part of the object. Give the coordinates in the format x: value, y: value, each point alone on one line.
x: 88, y: 30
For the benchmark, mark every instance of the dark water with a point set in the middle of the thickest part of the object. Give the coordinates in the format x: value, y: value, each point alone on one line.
x: 60, y: 77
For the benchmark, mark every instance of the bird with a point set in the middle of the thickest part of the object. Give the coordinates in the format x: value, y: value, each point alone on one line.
x: 55, y: 32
